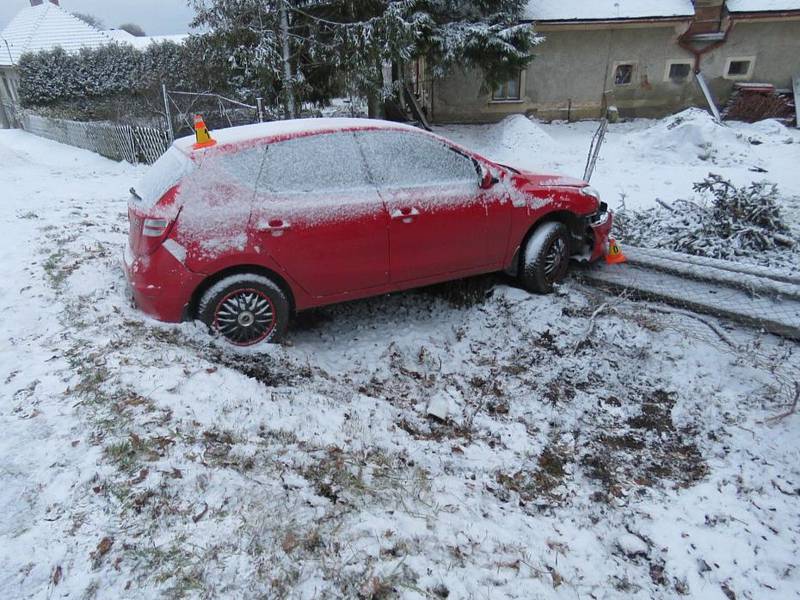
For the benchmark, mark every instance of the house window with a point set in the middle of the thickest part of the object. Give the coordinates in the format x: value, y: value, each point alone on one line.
x: 679, y: 72
x: 739, y: 67
x: 6, y: 88
x: 623, y: 74
x: 509, y: 90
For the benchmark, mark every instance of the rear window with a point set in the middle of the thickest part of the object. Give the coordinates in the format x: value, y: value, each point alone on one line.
x: 162, y: 175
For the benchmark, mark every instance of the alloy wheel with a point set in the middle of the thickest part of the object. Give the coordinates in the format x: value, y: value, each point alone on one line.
x: 245, y: 317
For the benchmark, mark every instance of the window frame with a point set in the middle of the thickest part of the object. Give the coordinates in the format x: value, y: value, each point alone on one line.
x: 621, y: 63
x: 679, y: 61
x: 751, y: 60
x: 507, y: 100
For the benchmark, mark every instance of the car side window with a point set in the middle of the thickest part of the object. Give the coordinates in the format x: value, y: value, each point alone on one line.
x: 315, y: 163
x: 406, y: 159
x: 244, y: 166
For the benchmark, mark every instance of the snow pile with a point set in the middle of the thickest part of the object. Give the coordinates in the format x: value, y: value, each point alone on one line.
x: 694, y: 134
x: 726, y: 222
x: 505, y: 141
x: 762, y: 132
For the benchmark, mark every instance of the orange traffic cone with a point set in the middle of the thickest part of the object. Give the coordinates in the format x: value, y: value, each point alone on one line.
x: 614, y: 255
x: 204, y: 139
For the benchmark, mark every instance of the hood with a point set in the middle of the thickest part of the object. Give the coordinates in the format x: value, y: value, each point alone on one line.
x: 545, y: 180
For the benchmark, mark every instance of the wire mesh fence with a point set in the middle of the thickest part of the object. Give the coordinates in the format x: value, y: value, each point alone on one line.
x: 134, y: 144
x: 218, y: 111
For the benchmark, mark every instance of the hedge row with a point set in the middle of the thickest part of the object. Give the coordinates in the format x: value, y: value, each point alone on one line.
x: 52, y: 77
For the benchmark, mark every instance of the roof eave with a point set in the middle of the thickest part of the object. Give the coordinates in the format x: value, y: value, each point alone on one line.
x: 764, y: 14
x: 637, y: 20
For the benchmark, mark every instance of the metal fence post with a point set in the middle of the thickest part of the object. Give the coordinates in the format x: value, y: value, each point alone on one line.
x: 167, y: 113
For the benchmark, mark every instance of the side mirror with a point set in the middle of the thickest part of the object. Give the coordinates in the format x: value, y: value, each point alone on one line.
x: 488, y: 180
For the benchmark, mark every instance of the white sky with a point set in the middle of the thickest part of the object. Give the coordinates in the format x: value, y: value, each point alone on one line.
x: 157, y: 17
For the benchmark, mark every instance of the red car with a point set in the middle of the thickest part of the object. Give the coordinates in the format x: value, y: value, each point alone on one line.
x: 281, y: 217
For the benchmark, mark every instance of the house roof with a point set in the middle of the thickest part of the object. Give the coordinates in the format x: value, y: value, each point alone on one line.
x: 46, y: 27
x: 142, y: 42
x: 742, y: 6
x: 607, y: 10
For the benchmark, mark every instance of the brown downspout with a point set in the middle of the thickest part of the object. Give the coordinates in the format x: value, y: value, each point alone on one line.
x: 698, y: 54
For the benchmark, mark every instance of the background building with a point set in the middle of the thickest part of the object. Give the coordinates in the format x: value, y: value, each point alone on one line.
x: 642, y: 57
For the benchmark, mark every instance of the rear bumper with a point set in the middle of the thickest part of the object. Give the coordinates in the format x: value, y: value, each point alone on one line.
x: 160, y: 284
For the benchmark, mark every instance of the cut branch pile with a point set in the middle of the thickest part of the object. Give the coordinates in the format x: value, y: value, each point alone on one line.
x: 728, y: 222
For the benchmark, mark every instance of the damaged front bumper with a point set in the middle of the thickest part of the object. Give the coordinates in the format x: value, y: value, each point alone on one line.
x: 597, y: 229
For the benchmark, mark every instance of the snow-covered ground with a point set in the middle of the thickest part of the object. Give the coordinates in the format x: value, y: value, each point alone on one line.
x: 593, y: 448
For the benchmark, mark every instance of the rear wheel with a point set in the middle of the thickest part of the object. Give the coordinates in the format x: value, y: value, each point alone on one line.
x: 545, y: 259
x: 245, y: 310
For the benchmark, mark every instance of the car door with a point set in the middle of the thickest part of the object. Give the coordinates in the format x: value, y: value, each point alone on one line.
x: 217, y: 204
x: 320, y: 217
x: 432, y: 194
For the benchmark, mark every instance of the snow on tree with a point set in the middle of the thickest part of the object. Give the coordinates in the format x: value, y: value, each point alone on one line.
x: 333, y: 44
x: 133, y: 29
x: 95, y: 22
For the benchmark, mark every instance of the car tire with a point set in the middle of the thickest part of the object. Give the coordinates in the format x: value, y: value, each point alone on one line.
x: 245, y: 310
x: 545, y: 258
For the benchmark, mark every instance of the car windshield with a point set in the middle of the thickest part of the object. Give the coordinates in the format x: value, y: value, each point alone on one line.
x: 162, y: 175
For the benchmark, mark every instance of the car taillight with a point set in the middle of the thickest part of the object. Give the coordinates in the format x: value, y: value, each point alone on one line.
x: 148, y: 225
x: 147, y: 233
x: 154, y: 227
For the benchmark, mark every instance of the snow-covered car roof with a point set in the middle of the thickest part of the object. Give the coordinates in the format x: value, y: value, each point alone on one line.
x: 277, y: 129
x: 606, y: 10
x: 740, y: 6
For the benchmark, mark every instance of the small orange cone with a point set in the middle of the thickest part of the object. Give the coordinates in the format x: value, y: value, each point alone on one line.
x: 614, y: 255
x: 204, y: 139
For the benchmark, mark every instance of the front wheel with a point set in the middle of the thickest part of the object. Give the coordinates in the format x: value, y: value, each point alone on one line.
x: 245, y: 310
x: 545, y: 258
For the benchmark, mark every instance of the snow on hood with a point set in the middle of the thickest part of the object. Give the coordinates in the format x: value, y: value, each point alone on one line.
x: 552, y: 180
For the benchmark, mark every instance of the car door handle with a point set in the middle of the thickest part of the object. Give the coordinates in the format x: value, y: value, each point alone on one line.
x: 274, y: 226
x: 406, y: 214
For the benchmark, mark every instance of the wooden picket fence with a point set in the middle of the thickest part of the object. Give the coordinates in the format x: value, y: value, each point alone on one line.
x: 133, y: 144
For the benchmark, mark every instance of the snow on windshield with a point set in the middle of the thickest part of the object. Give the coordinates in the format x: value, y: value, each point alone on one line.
x: 162, y: 175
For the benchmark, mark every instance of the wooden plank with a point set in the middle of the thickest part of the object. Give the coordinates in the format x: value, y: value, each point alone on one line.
x: 654, y: 255
x: 416, y: 109
x: 796, y: 87
x: 712, y: 105
x: 778, y: 316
